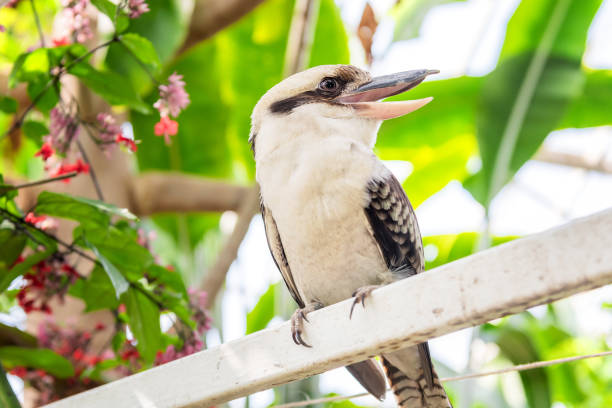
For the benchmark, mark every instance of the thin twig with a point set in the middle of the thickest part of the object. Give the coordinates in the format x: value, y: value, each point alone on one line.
x: 520, y: 367
x: 92, y: 173
x: 38, y: 26
x: 70, y: 247
x: 89, y: 53
x: 45, y: 181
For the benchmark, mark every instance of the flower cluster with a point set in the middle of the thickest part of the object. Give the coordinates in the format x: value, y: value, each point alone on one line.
x: 172, y: 99
x: 76, y: 22
x: 75, y: 345
x: 63, y: 129
x: 198, y: 300
x: 48, y: 279
x: 136, y: 8
x: 192, y: 340
x: 110, y: 133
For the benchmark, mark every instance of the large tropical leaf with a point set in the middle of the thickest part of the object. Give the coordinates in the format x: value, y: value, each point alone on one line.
x: 526, y: 96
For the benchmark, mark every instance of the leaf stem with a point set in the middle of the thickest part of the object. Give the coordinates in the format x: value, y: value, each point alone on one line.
x: 92, y: 173
x: 45, y: 181
x: 38, y: 26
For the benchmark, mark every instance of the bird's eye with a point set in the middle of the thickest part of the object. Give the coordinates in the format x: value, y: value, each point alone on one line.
x: 328, y: 84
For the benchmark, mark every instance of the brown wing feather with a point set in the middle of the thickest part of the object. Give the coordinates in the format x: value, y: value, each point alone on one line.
x: 397, y: 233
x: 278, y: 254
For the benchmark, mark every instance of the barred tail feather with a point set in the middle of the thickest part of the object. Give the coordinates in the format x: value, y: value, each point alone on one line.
x: 409, y: 380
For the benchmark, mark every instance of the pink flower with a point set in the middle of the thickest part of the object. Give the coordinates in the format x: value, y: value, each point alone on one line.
x: 63, y: 128
x: 108, y: 130
x: 166, y: 127
x: 45, y: 151
x: 173, y: 97
x: 76, y: 22
x: 12, y: 3
x: 137, y: 7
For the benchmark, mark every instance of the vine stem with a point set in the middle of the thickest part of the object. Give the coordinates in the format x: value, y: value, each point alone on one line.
x: 92, y: 173
x: 38, y: 26
x: 45, y: 181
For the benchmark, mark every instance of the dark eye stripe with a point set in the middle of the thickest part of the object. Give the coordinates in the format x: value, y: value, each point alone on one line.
x: 320, y: 94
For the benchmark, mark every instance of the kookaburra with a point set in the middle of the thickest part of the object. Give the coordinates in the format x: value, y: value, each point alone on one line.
x: 338, y: 223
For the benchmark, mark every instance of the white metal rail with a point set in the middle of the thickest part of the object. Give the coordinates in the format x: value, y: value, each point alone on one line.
x: 500, y: 281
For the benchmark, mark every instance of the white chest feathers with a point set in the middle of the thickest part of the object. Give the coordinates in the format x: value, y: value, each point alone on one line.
x: 316, y: 192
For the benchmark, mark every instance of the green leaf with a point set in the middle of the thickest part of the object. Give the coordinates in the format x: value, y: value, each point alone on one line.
x: 34, y: 131
x: 519, y: 349
x: 169, y: 279
x: 117, y: 279
x: 44, y: 359
x: 120, y: 252
x: 97, y: 290
x: 8, y: 104
x: 593, y: 106
x: 111, y: 86
x: 46, y: 95
x: 142, y: 49
x: 263, y: 312
x: 8, y: 399
x: 110, y: 9
x: 525, y: 97
x: 330, y: 42
x: 409, y: 17
x: 89, y: 213
x: 22, y: 267
x: 10, y: 336
x: 144, y: 323
x: 12, y: 243
x: 164, y: 27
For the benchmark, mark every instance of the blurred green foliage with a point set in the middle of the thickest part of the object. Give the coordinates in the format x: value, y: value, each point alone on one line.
x: 538, y: 85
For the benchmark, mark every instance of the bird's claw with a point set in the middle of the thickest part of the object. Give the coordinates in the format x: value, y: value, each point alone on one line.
x: 360, y: 295
x: 297, y: 323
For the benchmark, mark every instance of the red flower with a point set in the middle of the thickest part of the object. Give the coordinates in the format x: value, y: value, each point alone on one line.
x: 166, y: 127
x: 100, y: 327
x: 79, y: 167
x: 78, y: 354
x: 59, y: 41
x: 45, y: 151
x: 19, y: 371
x: 127, y: 142
x: 30, y: 218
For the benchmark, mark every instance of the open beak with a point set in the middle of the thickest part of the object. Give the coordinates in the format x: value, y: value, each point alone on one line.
x: 364, y: 98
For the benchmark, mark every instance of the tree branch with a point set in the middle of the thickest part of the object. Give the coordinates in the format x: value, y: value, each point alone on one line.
x: 573, y: 160
x: 210, y: 16
x: 159, y: 192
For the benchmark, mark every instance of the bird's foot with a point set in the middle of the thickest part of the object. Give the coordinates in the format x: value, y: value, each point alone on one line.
x: 360, y: 295
x: 297, y: 322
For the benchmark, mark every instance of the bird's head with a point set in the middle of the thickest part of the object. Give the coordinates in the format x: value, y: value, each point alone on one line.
x: 331, y: 100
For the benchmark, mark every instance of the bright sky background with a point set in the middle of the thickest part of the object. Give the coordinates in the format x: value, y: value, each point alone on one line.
x: 458, y: 38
